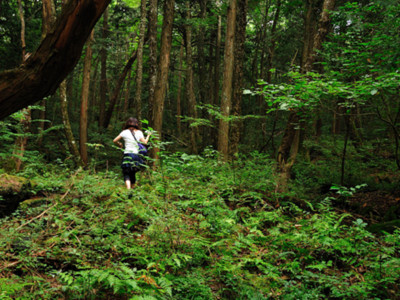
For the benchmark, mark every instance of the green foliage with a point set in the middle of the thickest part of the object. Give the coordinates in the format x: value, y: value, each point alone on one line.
x: 195, y: 229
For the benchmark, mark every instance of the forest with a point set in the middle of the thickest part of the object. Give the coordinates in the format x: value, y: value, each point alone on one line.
x: 273, y: 161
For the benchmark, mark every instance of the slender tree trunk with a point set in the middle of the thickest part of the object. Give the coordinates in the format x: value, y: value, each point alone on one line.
x: 240, y: 38
x: 202, y: 82
x: 178, y: 97
x: 259, y: 72
x: 189, y: 79
x: 49, y: 18
x: 139, y: 71
x: 72, y: 146
x: 83, y: 123
x: 22, y: 20
x: 309, y: 24
x: 216, y: 80
x: 117, y: 89
x: 103, y: 70
x: 226, y: 95
x: 271, y: 49
x: 346, y: 139
x: 217, y: 62
x: 126, y: 100
x: 323, y: 29
x: 22, y: 140
x: 203, y: 88
x: 290, y: 144
x: 163, y: 68
x: 152, y: 27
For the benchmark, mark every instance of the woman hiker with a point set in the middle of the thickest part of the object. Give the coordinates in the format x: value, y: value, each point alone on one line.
x: 132, y: 160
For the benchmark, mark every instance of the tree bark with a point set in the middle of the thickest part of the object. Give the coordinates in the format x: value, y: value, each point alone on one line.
x: 56, y: 56
x: 178, y: 97
x: 83, y: 121
x: 271, y: 48
x: 48, y: 20
x: 152, y: 55
x: 126, y: 100
x: 25, y: 121
x: 323, y: 29
x: 163, y: 68
x: 240, y: 38
x: 103, y: 70
x: 290, y: 144
x: 226, y: 94
x: 217, y: 62
x: 189, y: 80
x: 139, y: 71
x: 117, y: 89
x: 67, y: 125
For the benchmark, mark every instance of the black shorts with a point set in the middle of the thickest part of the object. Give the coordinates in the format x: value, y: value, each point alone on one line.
x: 131, y: 163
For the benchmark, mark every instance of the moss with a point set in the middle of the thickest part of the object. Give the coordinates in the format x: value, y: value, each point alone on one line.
x: 13, y: 190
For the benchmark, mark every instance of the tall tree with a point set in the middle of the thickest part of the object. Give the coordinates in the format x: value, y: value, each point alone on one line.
x: 83, y: 121
x: 118, y: 87
x: 25, y: 119
x: 48, y: 20
x: 163, y: 67
x: 191, y: 98
x: 226, y: 94
x: 290, y: 143
x: 103, y: 70
x: 240, y: 38
x: 178, y: 97
x: 72, y: 146
x: 139, y: 71
x: 152, y: 33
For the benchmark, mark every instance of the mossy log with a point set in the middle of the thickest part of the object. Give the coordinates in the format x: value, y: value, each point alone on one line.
x: 13, y: 190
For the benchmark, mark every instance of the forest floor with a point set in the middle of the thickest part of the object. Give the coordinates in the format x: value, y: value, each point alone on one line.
x: 195, y: 229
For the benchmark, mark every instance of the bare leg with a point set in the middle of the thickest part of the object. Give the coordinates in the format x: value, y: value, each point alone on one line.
x: 128, y: 184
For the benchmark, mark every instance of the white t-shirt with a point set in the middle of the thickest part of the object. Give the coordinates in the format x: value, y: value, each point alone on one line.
x: 131, y: 145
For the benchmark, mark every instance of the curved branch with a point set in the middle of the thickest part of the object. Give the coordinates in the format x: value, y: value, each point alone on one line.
x: 55, y: 57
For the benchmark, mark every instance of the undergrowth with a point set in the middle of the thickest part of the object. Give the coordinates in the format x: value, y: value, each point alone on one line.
x: 194, y: 229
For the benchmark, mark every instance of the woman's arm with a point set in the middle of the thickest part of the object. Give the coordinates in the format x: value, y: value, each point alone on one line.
x: 145, y: 140
x: 116, y: 141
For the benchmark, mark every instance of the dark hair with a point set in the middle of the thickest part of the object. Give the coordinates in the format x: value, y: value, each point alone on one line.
x: 132, y: 122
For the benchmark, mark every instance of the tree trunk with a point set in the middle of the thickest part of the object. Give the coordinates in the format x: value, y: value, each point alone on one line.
x: 139, y: 71
x: 189, y: 80
x: 103, y: 72
x: 83, y: 121
x: 259, y: 37
x: 309, y: 31
x: 127, y: 94
x: 163, y: 68
x: 55, y: 57
x: 217, y: 62
x: 290, y: 144
x: 202, y: 82
x: 271, y: 49
x: 203, y: 88
x: 323, y: 29
x: 152, y: 55
x: 67, y: 125
x: 226, y: 94
x: 49, y: 18
x: 240, y: 38
x: 178, y: 97
x: 117, y: 89
x: 22, y: 140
